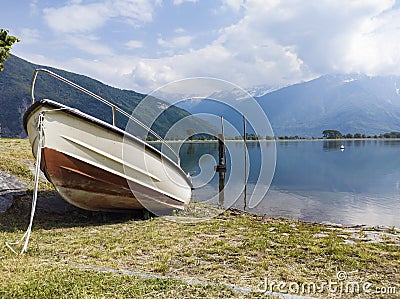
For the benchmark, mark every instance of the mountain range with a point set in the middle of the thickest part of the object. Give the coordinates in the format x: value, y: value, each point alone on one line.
x: 353, y: 103
x: 348, y: 103
x: 15, y: 83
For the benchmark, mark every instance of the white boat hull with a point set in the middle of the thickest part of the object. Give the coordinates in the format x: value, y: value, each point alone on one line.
x: 99, y: 167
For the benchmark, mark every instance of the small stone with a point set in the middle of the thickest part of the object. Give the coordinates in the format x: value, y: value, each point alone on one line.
x: 349, y: 242
x: 9, y: 183
x: 5, y: 204
x: 320, y: 235
x: 9, y: 186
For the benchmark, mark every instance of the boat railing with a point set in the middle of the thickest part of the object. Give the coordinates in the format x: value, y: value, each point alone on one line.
x: 113, y: 107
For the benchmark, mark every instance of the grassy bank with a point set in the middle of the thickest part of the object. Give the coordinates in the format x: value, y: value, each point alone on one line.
x: 76, y: 253
x: 16, y: 158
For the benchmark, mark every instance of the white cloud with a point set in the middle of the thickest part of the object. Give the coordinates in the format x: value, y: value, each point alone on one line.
x: 77, y: 17
x: 30, y: 36
x: 219, y: 62
x: 325, y: 35
x: 134, y: 44
x: 177, y: 42
x: 134, y: 10
x: 89, y: 44
x: 179, y: 2
x: 179, y: 30
x: 236, y: 5
x: 33, y: 7
x: 375, y: 48
x: 275, y: 43
x: 281, y: 42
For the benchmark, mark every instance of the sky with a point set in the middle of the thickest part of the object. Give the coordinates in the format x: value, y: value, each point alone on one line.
x: 142, y: 44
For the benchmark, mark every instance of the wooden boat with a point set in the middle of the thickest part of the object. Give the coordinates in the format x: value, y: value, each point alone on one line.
x: 97, y: 166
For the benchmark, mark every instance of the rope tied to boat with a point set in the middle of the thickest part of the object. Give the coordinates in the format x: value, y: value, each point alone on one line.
x: 27, y: 234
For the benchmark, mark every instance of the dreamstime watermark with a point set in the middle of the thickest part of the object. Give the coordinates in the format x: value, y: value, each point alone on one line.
x: 342, y: 284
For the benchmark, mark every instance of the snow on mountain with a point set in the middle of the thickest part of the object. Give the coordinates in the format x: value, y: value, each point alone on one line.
x: 350, y: 103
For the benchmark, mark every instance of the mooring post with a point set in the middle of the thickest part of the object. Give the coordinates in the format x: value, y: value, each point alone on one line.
x: 221, y: 154
x: 221, y: 187
x: 221, y: 167
x: 245, y: 162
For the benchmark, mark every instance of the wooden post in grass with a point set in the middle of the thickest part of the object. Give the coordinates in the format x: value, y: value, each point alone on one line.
x: 221, y: 167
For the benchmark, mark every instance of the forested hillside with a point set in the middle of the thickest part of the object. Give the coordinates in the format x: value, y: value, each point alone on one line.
x: 15, y: 82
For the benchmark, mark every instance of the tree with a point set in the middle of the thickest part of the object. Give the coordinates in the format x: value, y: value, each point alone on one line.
x: 391, y: 135
x: 349, y: 135
x: 332, y: 134
x: 6, y: 42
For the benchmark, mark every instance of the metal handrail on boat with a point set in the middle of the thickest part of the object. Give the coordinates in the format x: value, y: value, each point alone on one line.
x: 114, y: 108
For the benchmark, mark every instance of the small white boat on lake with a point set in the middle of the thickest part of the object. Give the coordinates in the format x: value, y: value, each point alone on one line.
x: 97, y: 166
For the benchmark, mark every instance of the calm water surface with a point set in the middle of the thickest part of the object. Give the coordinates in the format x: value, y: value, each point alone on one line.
x: 313, y: 180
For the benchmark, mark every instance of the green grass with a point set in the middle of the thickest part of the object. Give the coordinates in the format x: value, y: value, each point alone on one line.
x: 12, y: 154
x: 234, y: 248
x: 16, y: 158
x: 54, y: 281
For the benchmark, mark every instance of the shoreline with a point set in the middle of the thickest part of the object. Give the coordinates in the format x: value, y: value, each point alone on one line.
x: 21, y: 167
x: 17, y: 188
x: 279, y: 140
x: 241, y: 140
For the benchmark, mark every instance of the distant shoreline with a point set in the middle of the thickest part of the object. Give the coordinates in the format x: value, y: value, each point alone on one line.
x: 280, y: 140
x: 259, y: 140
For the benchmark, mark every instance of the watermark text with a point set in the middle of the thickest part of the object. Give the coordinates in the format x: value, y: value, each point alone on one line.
x: 342, y: 284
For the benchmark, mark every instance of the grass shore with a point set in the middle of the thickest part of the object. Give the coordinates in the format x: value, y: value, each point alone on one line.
x: 83, y: 254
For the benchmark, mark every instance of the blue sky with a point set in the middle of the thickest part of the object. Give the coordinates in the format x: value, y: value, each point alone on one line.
x: 143, y: 44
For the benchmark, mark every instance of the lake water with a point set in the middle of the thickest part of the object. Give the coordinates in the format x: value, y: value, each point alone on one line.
x: 313, y: 180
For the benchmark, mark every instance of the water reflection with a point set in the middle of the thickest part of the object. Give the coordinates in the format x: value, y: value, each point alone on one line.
x: 221, y: 188
x: 313, y: 180
x: 329, y: 145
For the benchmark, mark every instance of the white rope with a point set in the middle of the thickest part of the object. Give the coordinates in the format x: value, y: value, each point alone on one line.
x: 27, y: 234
